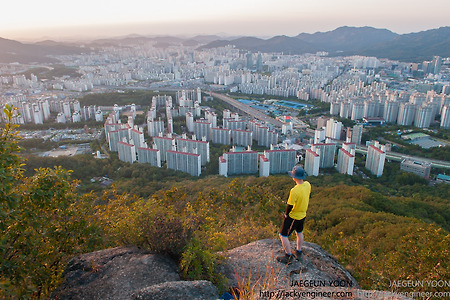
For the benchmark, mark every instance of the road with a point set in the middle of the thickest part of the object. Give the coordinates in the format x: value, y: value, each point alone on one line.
x: 400, y: 156
x: 248, y: 110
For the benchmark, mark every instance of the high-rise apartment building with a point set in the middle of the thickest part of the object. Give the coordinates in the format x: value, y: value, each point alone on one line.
x: 155, y: 127
x: 190, y: 122
x: 345, y: 110
x: 266, y: 137
x: 356, y: 134
x: 233, y: 124
x: 445, y: 117
x: 326, y: 153
x: 312, y: 163
x: 242, y: 137
x: 245, y: 162
x: 319, y: 136
x: 164, y: 144
x: 375, y: 160
x: 221, y: 136
x: 333, y: 129
x: 280, y: 161
x: 202, y: 129
x: 184, y: 162
x: 137, y: 136
x: 357, y: 111
x: 149, y: 156
x: 423, y: 116
x: 406, y: 114
x: 196, y: 147
x: 345, y: 162
x: 371, y: 108
x: 390, y: 111
x: 116, y: 136
x: 127, y: 152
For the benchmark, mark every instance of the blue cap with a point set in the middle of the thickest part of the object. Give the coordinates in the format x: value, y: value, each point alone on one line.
x: 297, y: 173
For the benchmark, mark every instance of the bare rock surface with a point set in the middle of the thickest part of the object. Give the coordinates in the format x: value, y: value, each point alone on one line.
x: 199, y: 290
x: 114, y: 274
x: 254, y: 268
x: 258, y: 260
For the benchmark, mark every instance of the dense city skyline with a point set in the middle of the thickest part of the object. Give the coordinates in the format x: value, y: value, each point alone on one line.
x: 88, y: 19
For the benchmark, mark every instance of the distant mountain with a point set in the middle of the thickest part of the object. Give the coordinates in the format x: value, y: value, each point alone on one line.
x: 13, y: 51
x: 414, y: 46
x: 280, y: 43
x: 345, y: 40
x: 200, y: 39
x: 340, y: 39
x: 348, y: 38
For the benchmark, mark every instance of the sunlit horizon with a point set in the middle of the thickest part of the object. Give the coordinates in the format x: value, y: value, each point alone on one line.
x: 87, y: 19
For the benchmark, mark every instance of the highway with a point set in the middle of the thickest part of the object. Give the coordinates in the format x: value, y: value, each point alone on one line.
x: 442, y: 164
x: 248, y: 110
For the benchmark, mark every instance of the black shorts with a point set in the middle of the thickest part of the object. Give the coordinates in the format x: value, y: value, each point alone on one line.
x: 289, y: 225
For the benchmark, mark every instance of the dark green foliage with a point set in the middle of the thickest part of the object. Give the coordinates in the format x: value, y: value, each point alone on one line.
x: 42, y: 221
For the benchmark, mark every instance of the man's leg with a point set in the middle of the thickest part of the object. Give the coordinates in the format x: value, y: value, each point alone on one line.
x: 286, y: 244
x: 299, y: 240
x: 298, y: 253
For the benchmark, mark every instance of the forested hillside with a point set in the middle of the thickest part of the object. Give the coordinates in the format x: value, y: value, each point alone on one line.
x: 377, y: 236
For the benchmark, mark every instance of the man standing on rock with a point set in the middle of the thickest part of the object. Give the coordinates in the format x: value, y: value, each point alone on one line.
x: 294, y: 217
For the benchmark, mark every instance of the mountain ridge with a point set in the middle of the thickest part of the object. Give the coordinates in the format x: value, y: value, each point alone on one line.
x: 342, y: 41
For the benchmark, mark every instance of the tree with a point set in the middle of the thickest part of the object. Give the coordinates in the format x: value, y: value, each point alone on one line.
x: 42, y: 220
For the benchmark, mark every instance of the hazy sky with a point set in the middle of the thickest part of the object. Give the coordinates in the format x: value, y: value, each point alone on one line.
x: 38, y: 19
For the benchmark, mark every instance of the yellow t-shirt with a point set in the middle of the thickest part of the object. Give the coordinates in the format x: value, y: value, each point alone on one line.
x: 299, y: 199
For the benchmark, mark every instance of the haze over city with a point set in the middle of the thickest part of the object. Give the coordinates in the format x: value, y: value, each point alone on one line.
x: 93, y: 19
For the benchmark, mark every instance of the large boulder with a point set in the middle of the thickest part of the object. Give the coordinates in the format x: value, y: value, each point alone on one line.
x: 114, y: 273
x: 257, y: 261
x: 253, y: 269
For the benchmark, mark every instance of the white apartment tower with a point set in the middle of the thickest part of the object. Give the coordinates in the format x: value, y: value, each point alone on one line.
x: 242, y: 137
x: 155, y: 127
x: 406, y: 114
x: 245, y: 162
x: 202, y: 129
x: 264, y: 166
x: 357, y: 111
x: 149, y: 156
x: 127, y: 152
x: 184, y: 162
x: 356, y: 134
x: 190, y: 122
x: 312, y: 162
x: 345, y: 162
x: 390, y: 111
x: 164, y: 144
x: 196, y: 147
x: 326, y: 153
x: 333, y: 129
x: 221, y: 136
x: 281, y: 161
x: 375, y: 160
x: 445, y: 117
x: 423, y: 116
x: 319, y: 136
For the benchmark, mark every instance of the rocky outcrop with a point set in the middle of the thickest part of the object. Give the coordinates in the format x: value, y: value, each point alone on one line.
x: 114, y: 273
x: 131, y: 273
x: 257, y: 260
x: 253, y: 268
